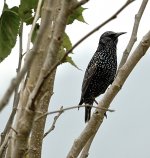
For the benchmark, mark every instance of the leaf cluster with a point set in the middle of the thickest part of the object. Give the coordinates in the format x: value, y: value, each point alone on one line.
x: 12, y: 18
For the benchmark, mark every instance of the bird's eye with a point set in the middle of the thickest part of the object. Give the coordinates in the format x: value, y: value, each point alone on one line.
x: 111, y: 35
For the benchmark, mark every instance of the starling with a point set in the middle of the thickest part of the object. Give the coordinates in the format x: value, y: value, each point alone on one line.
x: 101, y: 70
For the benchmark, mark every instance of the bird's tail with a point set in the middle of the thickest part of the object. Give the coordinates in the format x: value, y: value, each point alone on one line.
x: 87, y: 114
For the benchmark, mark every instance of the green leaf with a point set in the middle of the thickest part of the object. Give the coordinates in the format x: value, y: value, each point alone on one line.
x: 5, y: 7
x: 77, y: 15
x: 28, y: 4
x: 9, y: 26
x: 15, y: 9
x: 26, y: 9
x: 36, y: 29
x: 70, y: 60
x: 66, y: 45
x: 67, y: 59
x: 66, y: 42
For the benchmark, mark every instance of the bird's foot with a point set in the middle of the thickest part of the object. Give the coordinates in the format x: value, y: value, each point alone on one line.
x: 79, y: 106
x: 105, y: 115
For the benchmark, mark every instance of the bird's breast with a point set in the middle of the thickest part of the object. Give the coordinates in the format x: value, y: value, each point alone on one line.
x: 107, y: 63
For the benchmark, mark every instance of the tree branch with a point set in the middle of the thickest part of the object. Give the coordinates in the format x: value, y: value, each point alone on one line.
x: 70, y: 108
x: 45, y: 92
x: 77, y: 4
x: 54, y: 122
x: 134, y: 33
x: 97, y: 117
x: 60, y: 112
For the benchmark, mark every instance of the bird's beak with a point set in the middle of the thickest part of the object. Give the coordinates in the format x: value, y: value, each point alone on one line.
x: 120, y: 33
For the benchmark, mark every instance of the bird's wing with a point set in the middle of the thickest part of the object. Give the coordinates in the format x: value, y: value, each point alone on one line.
x: 91, y: 69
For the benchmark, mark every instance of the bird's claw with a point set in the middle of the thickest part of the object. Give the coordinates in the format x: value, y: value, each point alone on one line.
x: 79, y: 106
x: 105, y: 115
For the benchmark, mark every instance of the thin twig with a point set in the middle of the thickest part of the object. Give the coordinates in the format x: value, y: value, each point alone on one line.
x: 54, y: 122
x: 133, y: 37
x: 37, y: 14
x: 70, y: 108
x: 89, y: 34
x: 20, y: 47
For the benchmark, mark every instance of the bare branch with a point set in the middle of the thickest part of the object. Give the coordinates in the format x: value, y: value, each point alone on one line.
x: 70, y: 108
x: 134, y: 33
x: 97, y: 117
x: 54, y: 122
x: 90, y: 33
x: 59, y: 113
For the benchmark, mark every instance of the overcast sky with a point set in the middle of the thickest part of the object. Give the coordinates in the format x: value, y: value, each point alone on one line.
x: 125, y: 134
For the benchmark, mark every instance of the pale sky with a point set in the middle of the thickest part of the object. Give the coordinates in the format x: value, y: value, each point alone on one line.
x: 125, y: 134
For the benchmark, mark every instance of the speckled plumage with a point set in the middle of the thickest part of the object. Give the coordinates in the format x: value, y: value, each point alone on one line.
x: 101, y: 70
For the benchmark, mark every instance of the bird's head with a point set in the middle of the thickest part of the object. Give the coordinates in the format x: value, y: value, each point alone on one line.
x: 110, y: 37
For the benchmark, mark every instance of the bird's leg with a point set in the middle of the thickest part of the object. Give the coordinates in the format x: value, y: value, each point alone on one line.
x: 79, y: 106
x: 97, y: 104
x: 105, y: 115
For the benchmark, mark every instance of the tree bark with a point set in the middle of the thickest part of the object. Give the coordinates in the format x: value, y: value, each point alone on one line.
x: 44, y: 96
x: 36, y: 93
